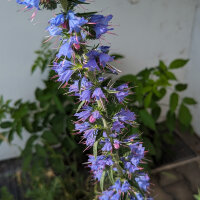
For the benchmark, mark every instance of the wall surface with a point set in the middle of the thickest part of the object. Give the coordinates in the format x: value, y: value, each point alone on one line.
x: 147, y: 32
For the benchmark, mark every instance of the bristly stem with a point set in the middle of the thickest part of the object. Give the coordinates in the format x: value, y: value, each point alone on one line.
x: 64, y: 4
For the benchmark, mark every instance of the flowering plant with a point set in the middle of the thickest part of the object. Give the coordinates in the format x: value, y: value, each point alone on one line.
x: 83, y: 70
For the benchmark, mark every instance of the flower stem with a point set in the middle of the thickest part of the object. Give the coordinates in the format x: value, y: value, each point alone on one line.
x: 64, y: 4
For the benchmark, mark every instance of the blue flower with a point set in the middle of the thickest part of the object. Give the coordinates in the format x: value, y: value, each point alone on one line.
x: 64, y: 71
x: 82, y: 127
x: 104, y: 58
x: 143, y: 181
x: 92, y: 63
x: 122, y: 92
x: 74, y: 87
x: 66, y: 48
x: 117, y: 126
x: 125, y: 186
x: 85, y: 95
x: 75, y: 22
x: 84, y: 114
x: 30, y: 3
x: 54, y: 30
x: 100, y: 24
x: 98, y: 94
x: 90, y: 136
x: 85, y: 84
x: 98, y: 165
x: 107, y: 145
x: 58, y: 20
x: 106, y: 195
x: 104, y: 49
x: 125, y: 116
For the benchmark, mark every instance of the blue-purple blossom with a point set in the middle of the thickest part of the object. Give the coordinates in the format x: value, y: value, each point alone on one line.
x: 143, y: 181
x: 122, y: 92
x: 75, y: 22
x: 74, y: 87
x: 117, y: 126
x: 85, y: 95
x: 90, y: 136
x: 30, y: 3
x: 84, y: 114
x: 85, y: 84
x: 107, y: 145
x: 98, y: 94
x: 82, y: 127
x: 58, y: 20
x: 125, y: 116
x: 98, y: 164
x: 54, y: 30
x: 100, y: 24
x: 66, y: 48
x: 64, y: 71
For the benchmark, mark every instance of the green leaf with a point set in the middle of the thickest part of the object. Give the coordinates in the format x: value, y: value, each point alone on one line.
x: 6, y: 124
x: 184, y: 115
x: 156, y: 112
x: 181, y: 87
x: 178, y: 63
x: 58, y: 104
x: 147, y: 100
x: 171, y: 121
x: 149, y: 145
x: 147, y: 119
x: 173, y: 101
x: 95, y: 149
x: 189, y: 101
x: 171, y: 76
x: 102, y: 180
x: 49, y: 137
x: 80, y: 106
x: 110, y: 175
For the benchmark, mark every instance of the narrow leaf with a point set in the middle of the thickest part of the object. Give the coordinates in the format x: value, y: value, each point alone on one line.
x: 173, y: 101
x: 102, y: 180
x: 189, y: 101
x: 178, y: 63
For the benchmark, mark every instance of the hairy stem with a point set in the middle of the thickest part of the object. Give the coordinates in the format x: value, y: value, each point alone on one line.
x: 64, y: 4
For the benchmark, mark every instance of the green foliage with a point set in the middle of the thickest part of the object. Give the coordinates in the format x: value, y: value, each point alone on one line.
x: 5, y: 194
x: 150, y: 86
x: 52, y: 158
x: 197, y: 196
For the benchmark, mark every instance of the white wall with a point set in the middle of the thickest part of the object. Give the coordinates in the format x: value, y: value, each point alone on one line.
x: 149, y: 31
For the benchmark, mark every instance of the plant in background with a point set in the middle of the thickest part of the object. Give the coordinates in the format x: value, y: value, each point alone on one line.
x: 197, y: 196
x: 83, y: 70
x: 151, y: 85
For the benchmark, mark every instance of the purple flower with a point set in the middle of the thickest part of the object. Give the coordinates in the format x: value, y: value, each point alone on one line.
x: 107, y: 145
x: 125, y: 186
x: 115, y: 196
x: 95, y: 115
x: 98, y: 165
x: 122, y: 92
x: 92, y: 63
x: 66, y: 48
x: 90, y: 136
x: 98, y: 94
x: 104, y: 49
x: 84, y: 114
x: 29, y: 3
x: 54, y: 30
x: 74, y: 87
x: 130, y: 167
x: 58, y: 20
x: 75, y: 22
x: 85, y: 95
x: 104, y: 58
x: 101, y: 24
x: 125, y: 116
x: 143, y: 181
x: 63, y: 69
x: 82, y: 127
x: 85, y: 84
x: 117, y: 185
x: 106, y: 195
x: 117, y: 126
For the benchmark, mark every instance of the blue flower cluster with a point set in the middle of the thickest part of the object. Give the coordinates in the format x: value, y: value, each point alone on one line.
x: 82, y: 69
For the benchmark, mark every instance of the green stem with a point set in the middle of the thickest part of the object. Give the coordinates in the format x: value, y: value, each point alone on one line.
x: 107, y: 128
x: 64, y: 4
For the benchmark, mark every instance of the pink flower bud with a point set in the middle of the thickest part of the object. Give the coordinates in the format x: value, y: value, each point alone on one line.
x: 77, y: 46
x: 92, y: 119
x: 116, y: 144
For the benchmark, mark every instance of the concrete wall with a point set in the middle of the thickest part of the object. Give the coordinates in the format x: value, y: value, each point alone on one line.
x: 148, y: 31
